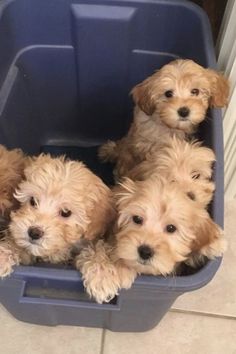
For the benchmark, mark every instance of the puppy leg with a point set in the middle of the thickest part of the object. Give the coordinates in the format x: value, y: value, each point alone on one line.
x: 99, y: 274
x: 10, y: 256
x: 126, y: 275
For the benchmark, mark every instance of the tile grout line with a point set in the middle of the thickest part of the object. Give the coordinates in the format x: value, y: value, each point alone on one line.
x: 207, y: 314
x: 102, y: 341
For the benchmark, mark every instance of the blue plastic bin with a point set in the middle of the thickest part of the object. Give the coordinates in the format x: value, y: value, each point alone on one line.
x: 66, y: 68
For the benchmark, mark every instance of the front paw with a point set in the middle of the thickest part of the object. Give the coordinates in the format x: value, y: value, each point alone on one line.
x: 7, y: 261
x: 102, y: 283
x: 99, y: 273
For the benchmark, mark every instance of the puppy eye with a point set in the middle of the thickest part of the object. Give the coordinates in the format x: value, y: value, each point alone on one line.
x: 169, y: 93
x: 196, y: 176
x: 33, y: 202
x: 65, y: 213
x: 191, y: 195
x: 170, y: 228
x: 137, y: 219
x: 195, y: 92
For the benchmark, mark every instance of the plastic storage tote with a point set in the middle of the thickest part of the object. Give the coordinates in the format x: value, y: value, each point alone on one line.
x: 66, y: 69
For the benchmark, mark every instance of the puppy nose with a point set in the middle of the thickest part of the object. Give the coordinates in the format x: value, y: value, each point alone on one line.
x: 145, y: 252
x: 183, y: 112
x: 35, y: 233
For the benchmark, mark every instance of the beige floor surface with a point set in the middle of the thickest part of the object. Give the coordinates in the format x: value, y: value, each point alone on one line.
x: 199, y: 322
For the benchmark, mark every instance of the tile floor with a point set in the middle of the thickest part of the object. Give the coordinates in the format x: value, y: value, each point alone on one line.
x: 199, y: 322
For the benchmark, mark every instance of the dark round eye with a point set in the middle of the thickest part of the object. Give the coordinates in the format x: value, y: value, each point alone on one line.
x: 196, y: 176
x: 171, y: 228
x: 195, y: 92
x: 137, y: 219
x: 169, y: 93
x: 65, y: 213
x: 191, y: 195
x: 33, y: 202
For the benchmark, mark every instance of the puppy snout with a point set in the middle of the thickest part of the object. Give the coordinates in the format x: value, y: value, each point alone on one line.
x: 35, y: 233
x: 183, y: 112
x: 145, y: 252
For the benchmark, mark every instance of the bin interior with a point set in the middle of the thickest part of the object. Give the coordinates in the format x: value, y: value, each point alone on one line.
x: 67, y: 67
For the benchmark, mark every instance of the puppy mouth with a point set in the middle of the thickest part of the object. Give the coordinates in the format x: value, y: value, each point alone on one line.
x: 184, y: 119
x: 178, y: 122
x: 144, y: 262
x: 34, y: 242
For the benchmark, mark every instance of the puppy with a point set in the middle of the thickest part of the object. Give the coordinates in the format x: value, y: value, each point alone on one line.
x: 171, y: 102
x: 157, y: 227
x: 186, y: 163
x: 12, y: 164
x: 61, y: 203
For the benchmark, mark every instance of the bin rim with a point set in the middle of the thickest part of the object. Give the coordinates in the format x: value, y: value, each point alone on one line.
x: 170, y: 283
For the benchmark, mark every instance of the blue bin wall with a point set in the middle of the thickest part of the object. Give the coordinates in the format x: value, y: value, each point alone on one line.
x: 66, y: 70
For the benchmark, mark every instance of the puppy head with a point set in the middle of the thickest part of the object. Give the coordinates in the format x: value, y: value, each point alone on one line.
x: 190, y: 166
x: 180, y: 93
x: 154, y: 228
x: 159, y: 226
x: 186, y: 163
x: 61, y: 202
x: 12, y: 163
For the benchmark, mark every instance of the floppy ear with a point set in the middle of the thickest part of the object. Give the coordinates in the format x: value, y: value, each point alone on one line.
x: 143, y: 97
x: 219, y: 89
x: 209, y: 240
x: 100, y: 209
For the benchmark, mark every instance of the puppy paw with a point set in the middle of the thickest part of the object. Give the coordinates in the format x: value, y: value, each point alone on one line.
x: 215, y: 248
x: 7, y: 261
x: 99, y: 274
x: 127, y: 277
x: 102, y: 283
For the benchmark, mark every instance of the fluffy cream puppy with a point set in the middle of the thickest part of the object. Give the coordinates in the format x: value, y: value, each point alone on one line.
x: 189, y: 164
x: 171, y: 102
x: 12, y: 164
x: 157, y: 228
x: 61, y: 203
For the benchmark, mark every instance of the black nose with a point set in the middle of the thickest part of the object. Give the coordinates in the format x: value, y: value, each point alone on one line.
x: 145, y: 252
x: 35, y: 233
x: 183, y: 112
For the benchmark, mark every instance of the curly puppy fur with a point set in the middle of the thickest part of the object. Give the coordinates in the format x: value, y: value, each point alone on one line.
x: 189, y: 164
x: 61, y: 203
x: 157, y: 227
x: 12, y: 164
x: 171, y: 102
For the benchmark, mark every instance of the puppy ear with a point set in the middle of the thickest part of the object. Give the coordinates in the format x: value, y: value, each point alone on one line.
x: 219, y: 89
x: 142, y: 96
x: 100, y: 209
x: 209, y: 240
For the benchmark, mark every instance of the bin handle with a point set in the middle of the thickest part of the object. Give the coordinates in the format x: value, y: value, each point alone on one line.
x: 44, y: 287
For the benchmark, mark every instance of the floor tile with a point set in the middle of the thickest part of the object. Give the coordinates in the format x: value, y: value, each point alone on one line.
x: 219, y: 296
x: 19, y: 337
x: 179, y: 334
